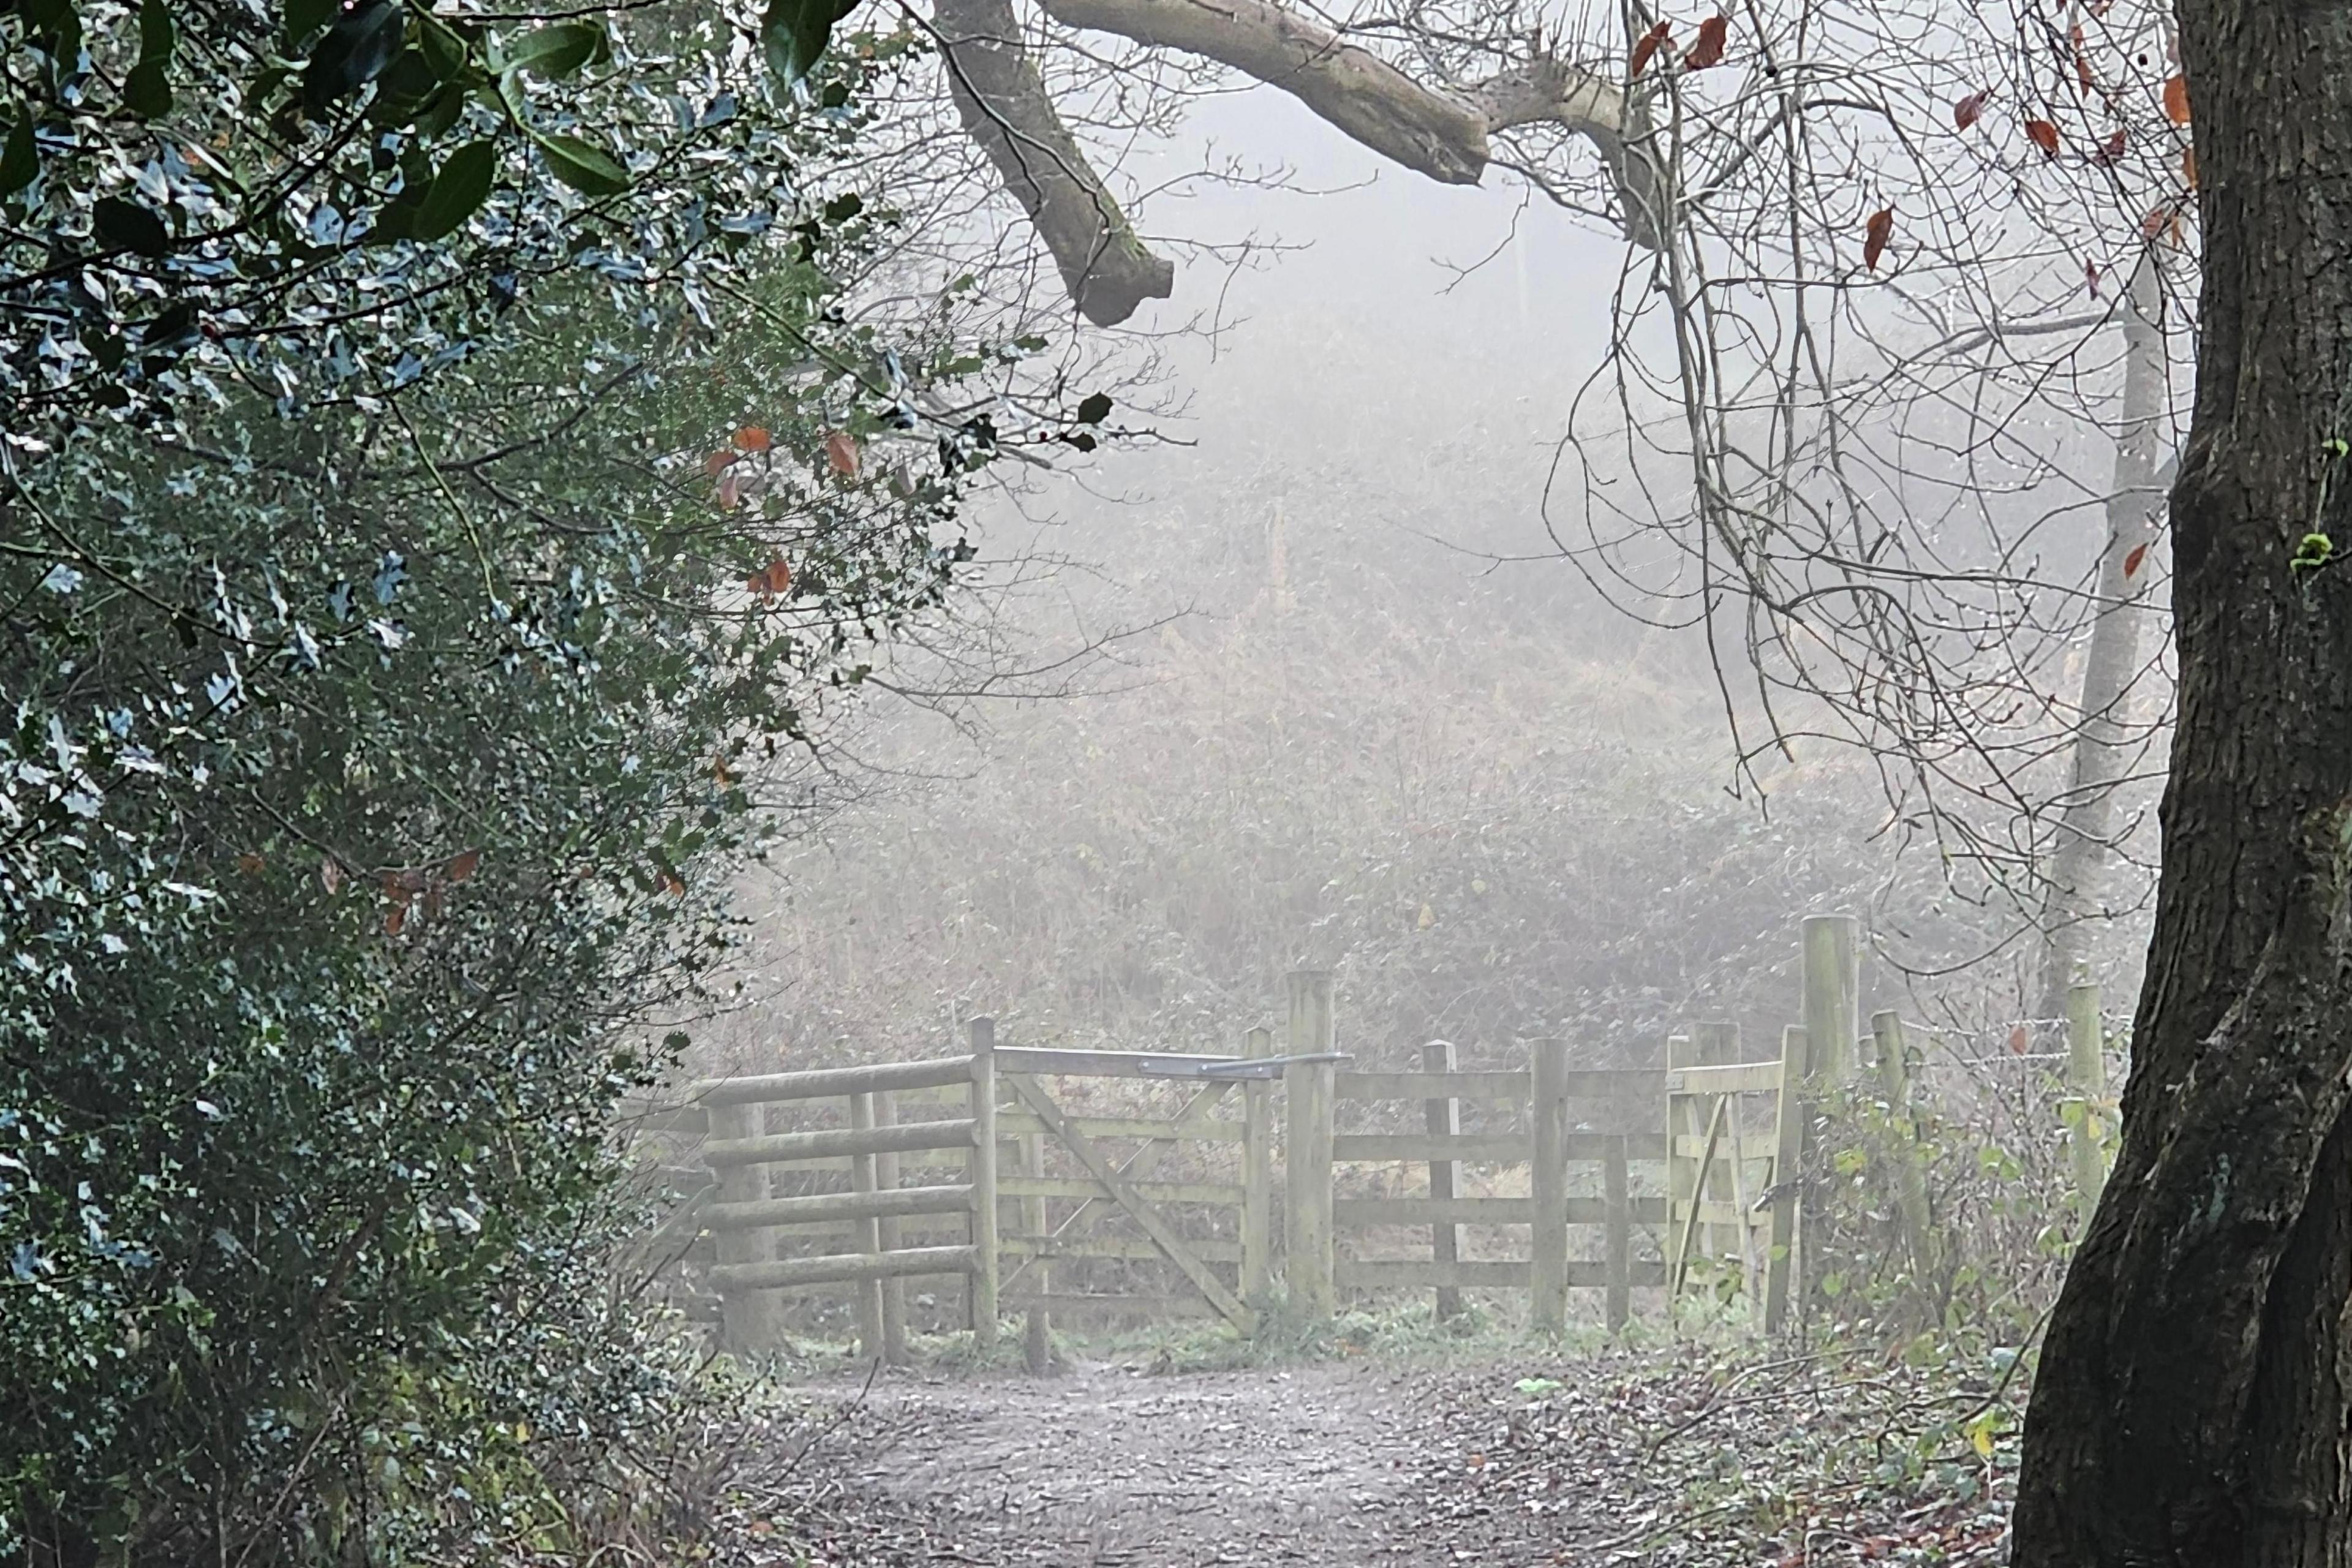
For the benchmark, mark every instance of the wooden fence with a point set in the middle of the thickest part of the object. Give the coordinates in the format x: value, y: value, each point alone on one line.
x: 997, y: 1167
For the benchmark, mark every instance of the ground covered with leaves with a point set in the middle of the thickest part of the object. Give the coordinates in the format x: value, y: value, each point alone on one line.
x: 1675, y: 1456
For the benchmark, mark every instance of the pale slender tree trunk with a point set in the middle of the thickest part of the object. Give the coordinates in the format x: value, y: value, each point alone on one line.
x: 2102, y: 751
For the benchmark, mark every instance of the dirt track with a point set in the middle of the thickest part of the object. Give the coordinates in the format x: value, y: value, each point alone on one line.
x: 1105, y: 1468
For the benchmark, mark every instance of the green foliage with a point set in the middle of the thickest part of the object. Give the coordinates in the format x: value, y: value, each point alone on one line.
x: 1409, y: 1332
x: 317, y: 204
x: 1990, y: 1149
x: 391, y: 688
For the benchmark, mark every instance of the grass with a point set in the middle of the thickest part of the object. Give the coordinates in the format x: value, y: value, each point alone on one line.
x: 1406, y: 1333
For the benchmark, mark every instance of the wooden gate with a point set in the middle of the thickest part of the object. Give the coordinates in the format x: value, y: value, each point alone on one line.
x: 1091, y: 1188
x: 1055, y: 1204
x: 1730, y: 1133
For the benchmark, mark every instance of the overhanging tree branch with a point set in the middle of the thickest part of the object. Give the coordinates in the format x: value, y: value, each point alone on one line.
x: 1439, y: 133
x: 1005, y: 109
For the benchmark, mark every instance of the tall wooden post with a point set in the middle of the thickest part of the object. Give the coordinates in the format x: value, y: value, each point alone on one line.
x: 866, y: 1235
x: 1683, y: 1129
x: 1548, y: 1251
x: 1619, y: 1204
x: 893, y: 1289
x: 1444, y: 1120
x: 1257, y: 1173
x: 750, y: 1322
x: 1306, y: 1089
x: 1036, y: 1333
x: 983, y: 1183
x: 1783, y: 1268
x: 1910, y: 1180
x: 1832, y: 998
x: 2086, y: 1078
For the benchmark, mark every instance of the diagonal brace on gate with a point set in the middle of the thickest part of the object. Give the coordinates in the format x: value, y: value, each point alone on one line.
x: 1098, y: 1166
x: 1136, y: 1167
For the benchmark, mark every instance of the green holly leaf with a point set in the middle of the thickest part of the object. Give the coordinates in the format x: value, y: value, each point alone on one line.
x: 20, y: 160
x: 355, y: 51
x: 126, y: 226
x: 584, y: 166
x: 1095, y: 409
x: 557, y: 51
x: 147, y: 88
x: 794, y: 33
x: 457, y: 192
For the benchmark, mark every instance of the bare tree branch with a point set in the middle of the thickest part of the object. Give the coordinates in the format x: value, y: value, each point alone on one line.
x: 1006, y: 111
x: 1432, y: 130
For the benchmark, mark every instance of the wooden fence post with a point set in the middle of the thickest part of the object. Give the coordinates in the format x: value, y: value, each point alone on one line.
x: 983, y: 1183
x: 1783, y: 1262
x: 866, y: 1233
x: 1306, y: 1087
x: 1620, y: 1244
x: 1717, y: 1044
x: 749, y: 1321
x: 1682, y: 1170
x: 1444, y: 1120
x: 1036, y: 1333
x: 894, y: 1289
x: 1832, y: 998
x: 1257, y: 1173
x: 1910, y: 1181
x: 1548, y: 1251
x: 2086, y: 1078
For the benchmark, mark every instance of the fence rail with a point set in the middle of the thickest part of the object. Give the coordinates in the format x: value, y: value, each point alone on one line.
x: 1230, y: 1192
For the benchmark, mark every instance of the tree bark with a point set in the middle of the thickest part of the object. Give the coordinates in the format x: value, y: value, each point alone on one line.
x: 1005, y: 109
x: 2102, y: 738
x: 2194, y: 1404
x: 1435, y: 132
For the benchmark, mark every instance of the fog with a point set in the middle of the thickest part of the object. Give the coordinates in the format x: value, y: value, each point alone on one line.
x: 1338, y: 700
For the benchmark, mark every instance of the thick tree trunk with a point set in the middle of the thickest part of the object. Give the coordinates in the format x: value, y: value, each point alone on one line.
x: 2194, y: 1405
x: 2102, y: 751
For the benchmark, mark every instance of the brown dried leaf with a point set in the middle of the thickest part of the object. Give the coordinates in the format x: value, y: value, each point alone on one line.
x: 841, y: 453
x: 1875, y: 234
x: 1707, y: 50
x: 2176, y: 98
x: 1650, y: 43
